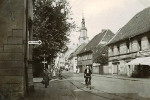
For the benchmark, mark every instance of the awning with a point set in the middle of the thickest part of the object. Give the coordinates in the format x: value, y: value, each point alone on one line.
x: 140, y: 61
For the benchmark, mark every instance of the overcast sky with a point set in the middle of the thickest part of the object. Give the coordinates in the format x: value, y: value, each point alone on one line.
x: 104, y: 14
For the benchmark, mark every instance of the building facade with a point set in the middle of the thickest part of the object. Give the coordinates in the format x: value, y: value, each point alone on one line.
x: 72, y: 62
x: 130, y: 42
x: 73, y: 58
x: 16, y: 76
x: 85, y: 56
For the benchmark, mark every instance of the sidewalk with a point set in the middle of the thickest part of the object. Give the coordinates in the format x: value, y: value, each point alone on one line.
x: 39, y: 79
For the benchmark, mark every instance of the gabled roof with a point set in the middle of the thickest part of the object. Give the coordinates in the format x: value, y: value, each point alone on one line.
x: 79, y: 49
x: 74, y: 54
x: 139, y: 24
x: 101, y: 38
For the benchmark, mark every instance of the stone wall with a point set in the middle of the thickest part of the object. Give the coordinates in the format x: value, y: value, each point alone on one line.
x: 12, y: 49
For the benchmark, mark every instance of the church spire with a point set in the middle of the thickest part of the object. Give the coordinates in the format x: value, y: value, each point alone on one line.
x: 83, y: 21
x: 83, y: 38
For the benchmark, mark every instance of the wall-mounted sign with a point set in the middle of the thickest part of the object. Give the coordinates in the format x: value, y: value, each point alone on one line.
x: 39, y: 42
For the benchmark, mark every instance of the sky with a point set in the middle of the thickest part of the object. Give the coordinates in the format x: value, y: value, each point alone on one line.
x: 104, y: 14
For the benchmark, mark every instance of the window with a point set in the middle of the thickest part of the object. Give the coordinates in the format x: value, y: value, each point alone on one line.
x: 140, y: 47
x: 112, y: 50
x: 118, y: 48
x: 128, y: 47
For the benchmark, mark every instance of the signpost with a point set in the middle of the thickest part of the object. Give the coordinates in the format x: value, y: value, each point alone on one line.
x: 44, y: 62
x: 39, y: 42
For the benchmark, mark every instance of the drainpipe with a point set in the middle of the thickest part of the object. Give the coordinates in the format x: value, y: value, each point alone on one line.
x: 26, y: 47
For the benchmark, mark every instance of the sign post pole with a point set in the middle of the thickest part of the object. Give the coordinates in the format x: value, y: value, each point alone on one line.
x: 44, y: 62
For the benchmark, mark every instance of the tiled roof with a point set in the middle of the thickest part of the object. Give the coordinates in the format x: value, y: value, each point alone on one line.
x: 73, y: 54
x: 100, y: 38
x: 79, y: 49
x: 139, y: 24
x: 70, y: 56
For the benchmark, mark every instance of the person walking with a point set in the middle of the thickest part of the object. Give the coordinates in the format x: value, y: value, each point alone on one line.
x: 60, y: 73
x: 87, y: 76
x: 54, y: 73
x: 45, y: 78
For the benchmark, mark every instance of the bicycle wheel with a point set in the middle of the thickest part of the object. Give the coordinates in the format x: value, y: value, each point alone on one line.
x: 45, y: 85
x: 89, y: 83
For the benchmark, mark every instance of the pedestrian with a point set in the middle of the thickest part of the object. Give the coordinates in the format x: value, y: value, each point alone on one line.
x: 60, y: 73
x: 45, y: 78
x: 54, y: 73
x: 76, y: 69
x: 87, y: 76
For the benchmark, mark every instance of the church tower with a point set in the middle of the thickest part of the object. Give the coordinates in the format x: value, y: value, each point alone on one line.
x: 83, y: 38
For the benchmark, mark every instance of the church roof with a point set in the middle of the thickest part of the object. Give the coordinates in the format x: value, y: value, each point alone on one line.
x: 101, y: 38
x: 139, y: 24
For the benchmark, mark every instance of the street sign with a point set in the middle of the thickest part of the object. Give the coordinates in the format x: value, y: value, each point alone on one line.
x: 39, y: 42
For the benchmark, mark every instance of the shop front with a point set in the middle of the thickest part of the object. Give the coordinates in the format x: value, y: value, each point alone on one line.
x: 141, y: 67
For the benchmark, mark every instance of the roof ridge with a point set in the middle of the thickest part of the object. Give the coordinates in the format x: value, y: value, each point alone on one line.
x: 114, y: 36
x: 135, y: 26
x: 103, y: 37
x: 78, y: 47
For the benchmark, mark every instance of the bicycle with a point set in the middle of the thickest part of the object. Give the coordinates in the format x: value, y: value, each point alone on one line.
x: 88, y: 82
x: 60, y: 76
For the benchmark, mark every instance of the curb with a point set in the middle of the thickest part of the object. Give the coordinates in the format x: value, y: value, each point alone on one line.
x: 115, y: 77
x: 131, y: 79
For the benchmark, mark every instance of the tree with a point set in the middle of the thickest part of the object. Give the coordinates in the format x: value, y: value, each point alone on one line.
x: 52, y: 25
x: 100, y: 54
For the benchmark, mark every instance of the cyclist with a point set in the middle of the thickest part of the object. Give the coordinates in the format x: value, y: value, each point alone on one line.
x: 87, y: 76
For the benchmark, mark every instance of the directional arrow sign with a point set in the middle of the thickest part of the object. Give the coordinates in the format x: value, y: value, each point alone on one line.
x: 39, y: 42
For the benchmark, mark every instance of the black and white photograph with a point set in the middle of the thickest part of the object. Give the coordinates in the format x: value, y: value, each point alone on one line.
x: 74, y: 49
